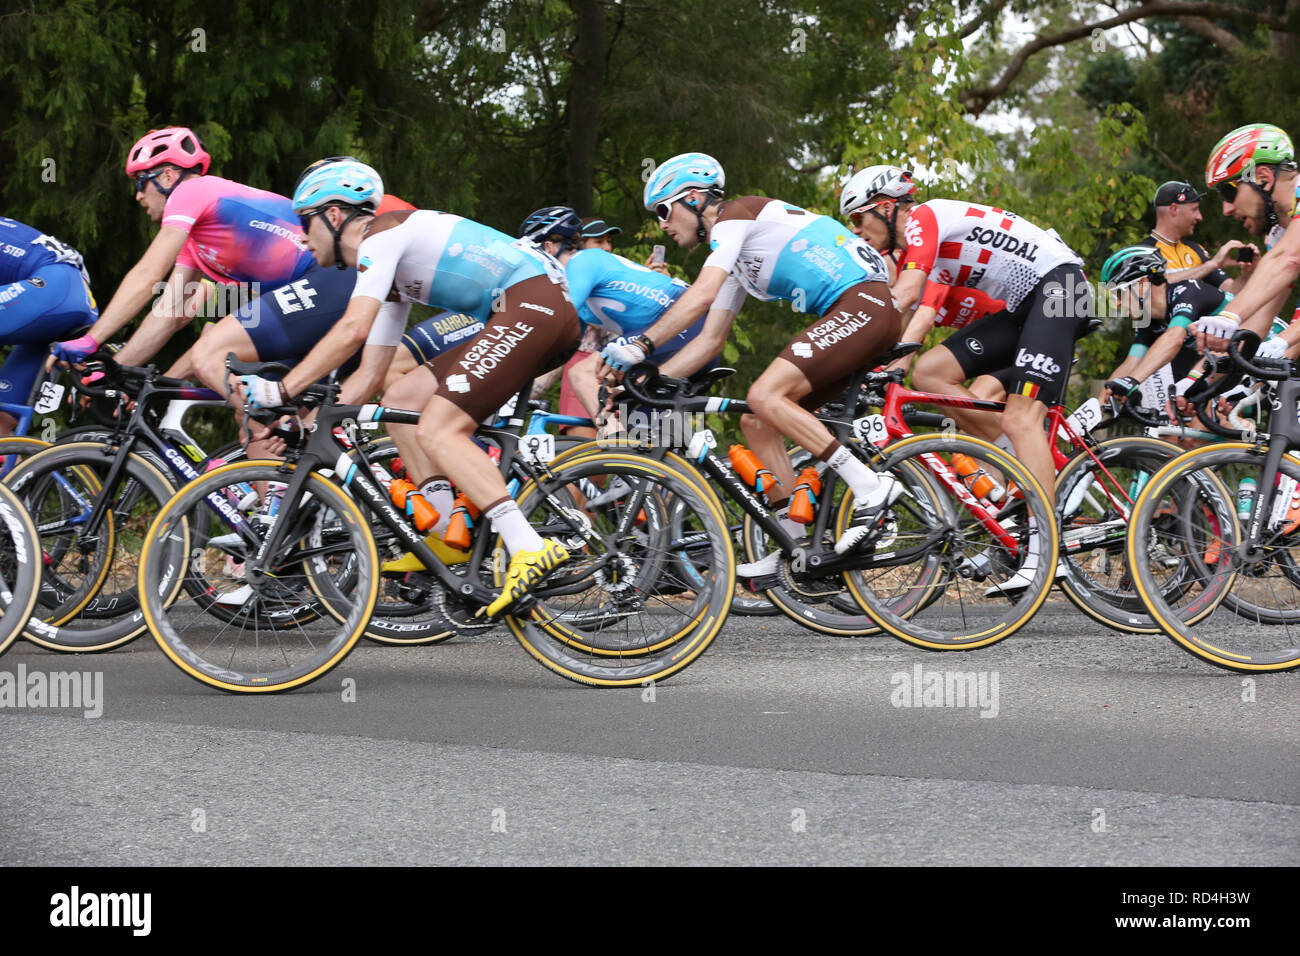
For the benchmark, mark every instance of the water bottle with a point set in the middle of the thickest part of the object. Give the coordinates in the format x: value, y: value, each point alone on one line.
x: 979, y: 481
x: 1245, y: 498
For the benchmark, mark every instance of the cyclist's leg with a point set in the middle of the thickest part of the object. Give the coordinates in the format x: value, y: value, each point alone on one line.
x: 860, y: 325
x: 980, y: 349
x: 537, y: 330
x: 49, y: 305
x: 1053, y: 322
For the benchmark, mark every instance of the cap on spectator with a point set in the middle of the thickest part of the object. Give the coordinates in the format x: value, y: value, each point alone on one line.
x: 591, y: 228
x: 1174, y: 192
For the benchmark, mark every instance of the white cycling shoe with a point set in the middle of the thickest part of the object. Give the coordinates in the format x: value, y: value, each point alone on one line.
x: 763, y: 567
x: 889, y: 491
x: 1021, y: 580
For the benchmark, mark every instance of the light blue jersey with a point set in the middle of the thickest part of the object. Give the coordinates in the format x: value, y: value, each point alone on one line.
x: 446, y: 261
x: 774, y: 250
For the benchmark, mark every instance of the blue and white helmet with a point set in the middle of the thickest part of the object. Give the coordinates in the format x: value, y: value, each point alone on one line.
x: 686, y: 171
x: 551, y: 221
x: 347, y: 181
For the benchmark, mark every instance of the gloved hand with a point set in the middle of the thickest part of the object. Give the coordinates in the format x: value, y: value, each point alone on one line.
x: 1274, y: 348
x: 1123, y: 387
x: 261, y: 393
x: 74, y: 350
x: 1223, y: 325
x: 1183, y: 384
x: 622, y: 353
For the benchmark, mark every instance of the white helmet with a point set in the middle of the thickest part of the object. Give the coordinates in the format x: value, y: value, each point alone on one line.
x: 888, y: 181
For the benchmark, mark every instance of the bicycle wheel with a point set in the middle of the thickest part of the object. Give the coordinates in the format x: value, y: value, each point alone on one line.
x: 88, y: 600
x: 1247, y: 605
x: 824, y: 604
x: 599, y: 620
x: 241, y: 654
x: 966, y: 608
x: 408, y: 610
x: 1095, y: 491
x: 20, y: 567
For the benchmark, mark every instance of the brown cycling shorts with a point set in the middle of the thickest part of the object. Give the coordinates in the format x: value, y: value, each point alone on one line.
x: 536, y: 330
x: 861, y: 324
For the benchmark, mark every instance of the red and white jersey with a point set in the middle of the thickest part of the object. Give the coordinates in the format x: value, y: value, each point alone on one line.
x: 965, y: 244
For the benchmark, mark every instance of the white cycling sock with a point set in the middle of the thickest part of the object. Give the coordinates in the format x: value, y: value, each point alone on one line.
x: 509, y: 522
x: 862, y: 481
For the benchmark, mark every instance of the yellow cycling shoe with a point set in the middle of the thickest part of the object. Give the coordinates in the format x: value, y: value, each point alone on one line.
x: 526, y: 569
x: 409, y: 562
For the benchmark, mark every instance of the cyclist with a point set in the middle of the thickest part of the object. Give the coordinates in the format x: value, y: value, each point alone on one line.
x: 613, y: 295
x: 1178, y: 210
x: 429, y: 339
x: 1254, y: 170
x: 1136, y: 278
x: 44, y: 294
x: 947, y: 243
x: 772, y: 250
x: 955, y: 306
x: 444, y: 259
x: 232, y: 234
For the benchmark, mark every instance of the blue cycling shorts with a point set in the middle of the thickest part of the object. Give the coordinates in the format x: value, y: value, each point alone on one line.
x: 286, y: 322
x: 51, y: 304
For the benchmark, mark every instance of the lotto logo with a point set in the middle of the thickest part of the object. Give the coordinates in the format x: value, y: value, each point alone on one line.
x: 802, y: 349
x: 1037, y: 361
x: 913, y: 233
x: 458, y: 383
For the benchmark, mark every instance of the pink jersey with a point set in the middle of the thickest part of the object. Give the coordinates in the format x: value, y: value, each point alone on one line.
x: 237, y: 233
x: 981, y: 247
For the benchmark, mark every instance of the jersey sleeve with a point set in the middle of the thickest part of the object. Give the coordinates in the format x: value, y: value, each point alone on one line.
x: 390, y: 324
x: 727, y: 237
x: 377, y: 259
x: 730, y: 297
x: 190, y: 201
x: 922, y: 235
x: 584, y: 271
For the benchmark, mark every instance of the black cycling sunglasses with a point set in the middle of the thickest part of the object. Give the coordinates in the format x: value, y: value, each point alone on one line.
x: 144, y: 179
x: 1228, y: 190
x: 305, y: 220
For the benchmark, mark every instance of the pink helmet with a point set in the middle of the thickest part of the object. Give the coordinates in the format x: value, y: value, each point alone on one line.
x: 176, y: 145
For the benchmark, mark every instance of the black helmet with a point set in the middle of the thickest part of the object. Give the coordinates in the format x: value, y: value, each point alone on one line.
x: 1132, y: 263
x: 551, y: 221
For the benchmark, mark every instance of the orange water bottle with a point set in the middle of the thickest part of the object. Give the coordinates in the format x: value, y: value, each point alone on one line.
x: 977, y: 479
x: 806, y: 490
x: 750, y: 469
x: 462, y: 519
x: 406, y: 495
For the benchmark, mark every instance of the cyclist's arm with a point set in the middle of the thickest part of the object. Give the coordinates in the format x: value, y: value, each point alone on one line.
x: 340, y: 343
x: 692, y: 356
x: 1162, y: 352
x: 171, y: 312
x: 698, y: 297
x: 368, y: 379
x: 140, y: 284
x: 907, y: 291
x: 1270, y: 281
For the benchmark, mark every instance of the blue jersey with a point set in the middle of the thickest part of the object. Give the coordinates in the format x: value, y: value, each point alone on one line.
x: 23, y: 250
x: 616, y: 294
x: 445, y: 261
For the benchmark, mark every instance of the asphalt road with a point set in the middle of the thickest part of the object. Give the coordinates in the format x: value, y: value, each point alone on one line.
x: 778, y: 746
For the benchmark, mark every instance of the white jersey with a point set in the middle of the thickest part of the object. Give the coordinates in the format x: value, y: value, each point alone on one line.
x: 981, y: 247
